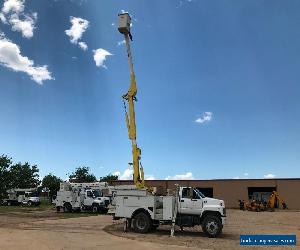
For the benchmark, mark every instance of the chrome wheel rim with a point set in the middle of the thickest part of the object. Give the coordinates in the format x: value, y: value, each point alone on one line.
x: 141, y: 223
x: 212, y: 227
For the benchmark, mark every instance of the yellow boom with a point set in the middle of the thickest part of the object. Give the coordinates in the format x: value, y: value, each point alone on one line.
x: 130, y: 97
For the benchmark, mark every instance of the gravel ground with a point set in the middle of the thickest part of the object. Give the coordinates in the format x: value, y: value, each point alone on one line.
x: 46, y: 229
x: 238, y: 222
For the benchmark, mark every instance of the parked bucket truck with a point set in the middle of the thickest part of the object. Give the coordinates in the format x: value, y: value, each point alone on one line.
x: 22, y: 196
x: 82, y: 197
x: 143, y: 209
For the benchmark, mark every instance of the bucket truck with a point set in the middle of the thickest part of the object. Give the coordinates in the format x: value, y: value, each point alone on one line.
x: 22, y: 196
x: 82, y: 197
x: 142, y: 208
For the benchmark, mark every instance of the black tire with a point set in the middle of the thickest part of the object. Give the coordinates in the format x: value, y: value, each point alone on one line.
x: 29, y: 203
x: 8, y: 203
x: 212, y: 226
x: 67, y: 208
x: 95, y: 208
x: 142, y: 223
x: 57, y: 209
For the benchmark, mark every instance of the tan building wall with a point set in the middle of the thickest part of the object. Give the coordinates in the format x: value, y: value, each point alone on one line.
x: 232, y: 190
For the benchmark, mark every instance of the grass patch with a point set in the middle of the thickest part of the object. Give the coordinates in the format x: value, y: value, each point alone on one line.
x: 75, y: 215
x: 24, y: 209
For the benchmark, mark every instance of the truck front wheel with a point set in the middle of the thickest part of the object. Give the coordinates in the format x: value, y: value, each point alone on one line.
x: 141, y: 223
x: 211, y: 226
x: 95, y: 208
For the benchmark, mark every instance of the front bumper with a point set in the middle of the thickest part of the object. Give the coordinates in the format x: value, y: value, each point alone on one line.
x: 223, y: 220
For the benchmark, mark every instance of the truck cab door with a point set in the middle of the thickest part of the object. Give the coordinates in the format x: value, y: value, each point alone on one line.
x: 185, y: 201
x: 197, y: 203
x: 88, y: 198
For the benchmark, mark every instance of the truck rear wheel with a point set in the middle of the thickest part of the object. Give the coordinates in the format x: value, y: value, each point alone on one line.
x: 141, y: 223
x: 211, y: 226
x: 67, y: 208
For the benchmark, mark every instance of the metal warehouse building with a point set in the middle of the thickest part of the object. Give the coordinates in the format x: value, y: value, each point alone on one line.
x: 232, y: 190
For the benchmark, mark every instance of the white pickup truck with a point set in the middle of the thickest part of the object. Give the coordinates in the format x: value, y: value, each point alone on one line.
x: 189, y: 207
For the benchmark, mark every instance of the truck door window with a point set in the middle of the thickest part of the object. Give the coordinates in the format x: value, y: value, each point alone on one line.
x: 195, y: 195
x: 186, y: 193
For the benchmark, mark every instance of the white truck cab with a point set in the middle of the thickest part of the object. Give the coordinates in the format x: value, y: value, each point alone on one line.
x: 189, y: 207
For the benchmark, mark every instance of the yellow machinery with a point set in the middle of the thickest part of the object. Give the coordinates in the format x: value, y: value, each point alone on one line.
x: 255, y: 205
x: 273, y: 202
x: 130, y: 97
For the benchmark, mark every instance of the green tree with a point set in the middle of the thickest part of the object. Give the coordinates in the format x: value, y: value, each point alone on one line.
x: 51, y: 183
x: 5, y: 182
x: 16, y: 175
x: 24, y: 175
x: 109, y: 178
x: 82, y: 174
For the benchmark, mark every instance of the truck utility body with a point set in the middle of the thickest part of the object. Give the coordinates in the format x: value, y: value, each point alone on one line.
x: 81, y: 197
x: 189, y: 207
x: 22, y: 196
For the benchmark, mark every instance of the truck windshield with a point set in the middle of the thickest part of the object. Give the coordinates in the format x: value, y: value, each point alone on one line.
x: 32, y: 194
x: 199, y: 193
x: 96, y: 193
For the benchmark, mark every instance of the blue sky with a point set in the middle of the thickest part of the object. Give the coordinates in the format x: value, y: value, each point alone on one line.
x: 218, y: 87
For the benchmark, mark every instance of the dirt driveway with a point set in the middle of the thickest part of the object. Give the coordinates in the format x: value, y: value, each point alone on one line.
x: 49, y: 230
x: 44, y: 230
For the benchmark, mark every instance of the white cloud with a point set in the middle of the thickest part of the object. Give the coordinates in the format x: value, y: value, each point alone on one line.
x: 269, y: 176
x: 25, y: 26
x: 13, y: 14
x: 149, y: 177
x: 245, y: 176
x: 127, y: 175
x: 100, y: 56
x: 206, y: 117
x: 182, y: 2
x: 79, y: 26
x: 16, y: 6
x: 187, y: 176
x: 3, y: 18
x: 121, y: 42
x: 83, y: 45
x: 10, y: 57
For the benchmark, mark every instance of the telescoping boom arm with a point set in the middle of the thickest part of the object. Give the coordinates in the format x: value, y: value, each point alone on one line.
x: 130, y: 98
